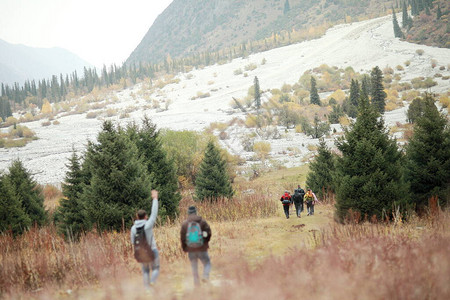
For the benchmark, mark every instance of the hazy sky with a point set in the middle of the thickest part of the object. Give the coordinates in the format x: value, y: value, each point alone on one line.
x: 99, y: 31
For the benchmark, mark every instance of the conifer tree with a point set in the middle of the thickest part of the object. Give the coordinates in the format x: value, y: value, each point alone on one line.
x: 28, y: 192
x: 212, y: 181
x: 12, y: 215
x: 287, y: 7
x: 377, y: 90
x: 71, y: 216
x: 404, y: 15
x: 320, y: 178
x: 354, y: 92
x: 162, y: 170
x: 368, y: 174
x: 365, y: 86
x: 257, y: 93
x: 397, y: 30
x: 428, y: 156
x: 438, y: 12
x: 313, y: 94
x: 119, y: 184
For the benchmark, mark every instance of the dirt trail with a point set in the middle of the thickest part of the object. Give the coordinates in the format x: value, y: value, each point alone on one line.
x: 251, y: 241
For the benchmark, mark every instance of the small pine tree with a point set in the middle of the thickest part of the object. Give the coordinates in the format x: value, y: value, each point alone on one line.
x: 162, y: 170
x: 257, y: 93
x: 428, y: 156
x: 365, y: 87
x: 320, y: 178
x: 368, y: 174
x: 287, y: 7
x: 354, y: 92
x: 397, y: 30
x: 71, y: 216
x: 377, y: 90
x: 313, y: 94
x: 212, y: 181
x: 12, y: 215
x: 119, y: 184
x: 28, y: 192
x: 404, y: 15
x: 438, y: 12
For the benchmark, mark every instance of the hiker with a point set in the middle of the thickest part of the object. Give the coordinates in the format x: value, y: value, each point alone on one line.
x: 286, y: 201
x: 145, y: 250
x: 297, y: 198
x: 195, y: 235
x: 311, y: 200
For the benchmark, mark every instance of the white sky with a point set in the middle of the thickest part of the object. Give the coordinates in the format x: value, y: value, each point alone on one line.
x: 99, y: 31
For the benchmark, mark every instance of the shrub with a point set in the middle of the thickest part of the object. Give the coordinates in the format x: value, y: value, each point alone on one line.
x: 91, y: 115
x: 407, y: 63
x: 56, y: 122
x: 250, y: 67
x: 262, y: 149
x: 237, y: 72
x: 420, y: 52
x: 400, y: 68
x: 46, y: 123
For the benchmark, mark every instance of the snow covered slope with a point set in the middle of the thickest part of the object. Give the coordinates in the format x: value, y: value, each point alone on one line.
x: 361, y: 45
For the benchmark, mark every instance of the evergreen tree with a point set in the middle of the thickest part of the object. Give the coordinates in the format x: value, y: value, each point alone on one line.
x: 257, y: 93
x: 162, y: 170
x: 377, y: 90
x: 12, y: 215
x: 71, y: 216
x: 287, y: 7
x: 320, y: 178
x: 415, y: 110
x: 368, y: 175
x: 404, y: 15
x: 313, y: 94
x: 119, y: 184
x: 212, y: 180
x: 5, y: 108
x: 428, y: 156
x: 438, y: 12
x: 354, y: 93
x: 365, y: 86
x: 397, y: 30
x: 28, y: 192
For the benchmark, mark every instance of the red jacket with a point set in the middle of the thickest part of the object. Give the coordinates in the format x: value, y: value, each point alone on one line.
x: 286, y: 196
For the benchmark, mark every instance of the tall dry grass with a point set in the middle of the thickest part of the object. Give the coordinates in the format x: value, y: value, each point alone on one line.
x: 41, y: 257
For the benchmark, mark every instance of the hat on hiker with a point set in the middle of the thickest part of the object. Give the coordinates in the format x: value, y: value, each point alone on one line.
x: 192, y: 210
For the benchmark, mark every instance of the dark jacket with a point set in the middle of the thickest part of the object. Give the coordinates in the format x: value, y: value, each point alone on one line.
x: 286, y: 196
x: 298, y: 196
x: 203, y: 226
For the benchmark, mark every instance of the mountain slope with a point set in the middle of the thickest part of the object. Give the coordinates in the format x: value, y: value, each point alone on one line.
x: 190, y: 26
x: 19, y: 63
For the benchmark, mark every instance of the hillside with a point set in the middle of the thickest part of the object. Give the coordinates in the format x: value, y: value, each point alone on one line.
x: 19, y: 63
x: 196, y: 99
x: 432, y: 28
x: 190, y: 26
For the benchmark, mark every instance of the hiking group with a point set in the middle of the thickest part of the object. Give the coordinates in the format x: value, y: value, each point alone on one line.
x: 194, y: 235
x: 298, y: 199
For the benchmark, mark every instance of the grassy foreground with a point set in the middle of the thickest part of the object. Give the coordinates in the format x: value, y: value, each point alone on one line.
x: 256, y: 254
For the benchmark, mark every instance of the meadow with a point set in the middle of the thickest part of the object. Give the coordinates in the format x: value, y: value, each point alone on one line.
x: 256, y: 254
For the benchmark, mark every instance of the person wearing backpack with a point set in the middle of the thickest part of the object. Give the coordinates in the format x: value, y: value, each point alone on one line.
x: 143, y: 240
x: 311, y: 200
x: 195, y: 235
x: 286, y: 201
x: 297, y: 198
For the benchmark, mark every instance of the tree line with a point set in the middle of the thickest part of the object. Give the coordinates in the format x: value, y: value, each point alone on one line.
x: 372, y: 175
x: 106, y: 185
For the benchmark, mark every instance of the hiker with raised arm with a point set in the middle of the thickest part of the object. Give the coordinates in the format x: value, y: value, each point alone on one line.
x: 195, y: 235
x: 143, y: 240
x: 311, y: 200
x: 297, y: 198
x: 286, y: 201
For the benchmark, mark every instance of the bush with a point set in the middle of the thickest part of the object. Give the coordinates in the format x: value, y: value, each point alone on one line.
x: 237, y: 72
x: 56, y: 122
x: 91, y: 115
x: 262, y: 149
x: 400, y: 68
x: 250, y: 67
x: 46, y: 123
x: 407, y: 63
x: 420, y: 52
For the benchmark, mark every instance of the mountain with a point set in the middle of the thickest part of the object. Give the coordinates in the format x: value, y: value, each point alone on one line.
x: 19, y: 63
x: 190, y: 26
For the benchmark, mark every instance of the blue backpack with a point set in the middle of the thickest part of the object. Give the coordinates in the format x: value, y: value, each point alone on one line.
x: 194, y: 235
